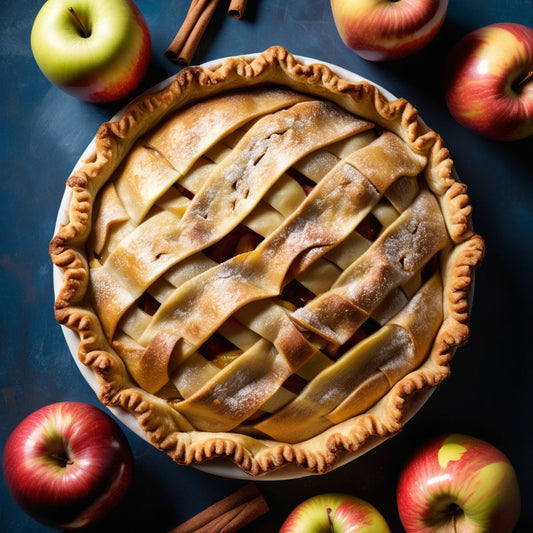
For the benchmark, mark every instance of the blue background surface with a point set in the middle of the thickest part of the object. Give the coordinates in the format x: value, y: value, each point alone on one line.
x: 44, y: 131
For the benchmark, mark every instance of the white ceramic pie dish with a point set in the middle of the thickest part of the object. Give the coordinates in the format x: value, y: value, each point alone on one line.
x: 220, y: 467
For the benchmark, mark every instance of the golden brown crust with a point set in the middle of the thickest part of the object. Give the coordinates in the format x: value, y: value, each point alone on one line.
x: 166, y: 427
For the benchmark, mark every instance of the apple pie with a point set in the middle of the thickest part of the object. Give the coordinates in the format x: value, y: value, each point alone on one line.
x: 267, y: 263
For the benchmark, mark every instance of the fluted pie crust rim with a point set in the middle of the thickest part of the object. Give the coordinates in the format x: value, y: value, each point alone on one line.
x: 162, y: 425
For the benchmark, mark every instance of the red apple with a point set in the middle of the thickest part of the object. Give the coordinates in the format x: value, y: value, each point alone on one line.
x: 460, y: 484
x: 340, y: 513
x: 67, y: 464
x: 95, y: 50
x: 489, y: 87
x: 381, y: 30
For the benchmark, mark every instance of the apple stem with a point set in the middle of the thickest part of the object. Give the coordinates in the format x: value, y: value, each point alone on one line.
x: 328, y: 511
x: 79, y: 22
x: 455, y: 513
x: 64, y: 461
x: 525, y: 80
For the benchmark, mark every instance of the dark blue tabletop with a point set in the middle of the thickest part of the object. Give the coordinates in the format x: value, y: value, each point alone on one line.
x: 44, y: 131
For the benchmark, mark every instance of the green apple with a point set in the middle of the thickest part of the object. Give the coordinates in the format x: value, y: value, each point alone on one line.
x: 334, y: 512
x: 93, y: 49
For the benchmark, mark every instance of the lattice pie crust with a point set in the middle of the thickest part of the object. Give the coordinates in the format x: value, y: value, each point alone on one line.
x: 265, y: 262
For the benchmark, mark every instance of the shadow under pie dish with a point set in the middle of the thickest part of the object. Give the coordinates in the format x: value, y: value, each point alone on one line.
x: 266, y: 262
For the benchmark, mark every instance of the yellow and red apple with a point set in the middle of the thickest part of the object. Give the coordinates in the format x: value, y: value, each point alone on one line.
x: 96, y: 50
x: 381, y: 30
x: 489, y: 87
x: 458, y: 483
x: 337, y: 512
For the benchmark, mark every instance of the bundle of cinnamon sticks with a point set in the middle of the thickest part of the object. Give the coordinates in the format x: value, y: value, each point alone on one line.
x: 229, y: 514
x: 184, y: 44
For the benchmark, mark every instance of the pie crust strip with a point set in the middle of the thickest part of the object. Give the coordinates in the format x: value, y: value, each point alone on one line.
x: 193, y: 313
x: 363, y: 374
x: 241, y: 180
x: 403, y: 249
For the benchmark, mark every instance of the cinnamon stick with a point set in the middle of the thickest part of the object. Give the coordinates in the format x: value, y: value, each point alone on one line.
x: 228, y: 515
x: 184, y: 44
x: 236, y: 8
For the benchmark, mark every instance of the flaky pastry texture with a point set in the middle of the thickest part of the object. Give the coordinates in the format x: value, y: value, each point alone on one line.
x: 266, y: 263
